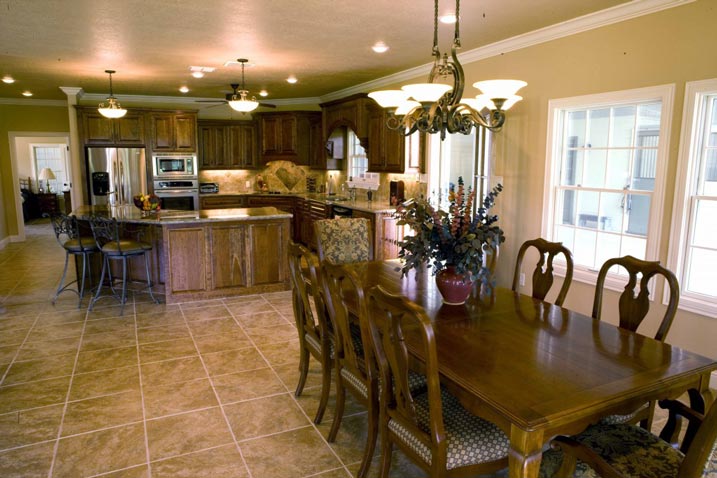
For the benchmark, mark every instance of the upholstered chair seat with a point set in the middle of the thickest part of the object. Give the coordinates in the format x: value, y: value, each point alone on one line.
x: 81, y: 244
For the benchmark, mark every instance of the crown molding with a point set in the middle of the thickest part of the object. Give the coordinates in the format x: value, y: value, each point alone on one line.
x: 31, y: 102
x: 609, y: 16
x: 71, y: 91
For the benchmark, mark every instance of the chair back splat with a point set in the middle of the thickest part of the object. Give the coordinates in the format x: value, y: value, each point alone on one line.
x: 635, y: 305
x: 315, y: 336
x: 342, y: 241
x: 542, y: 279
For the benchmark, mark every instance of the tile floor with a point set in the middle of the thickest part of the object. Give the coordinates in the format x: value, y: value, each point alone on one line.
x: 201, y: 389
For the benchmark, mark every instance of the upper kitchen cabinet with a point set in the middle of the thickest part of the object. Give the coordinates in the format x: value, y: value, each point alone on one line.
x: 386, y: 147
x: 228, y: 145
x: 173, y: 131
x: 349, y: 112
x: 286, y: 136
x: 98, y: 130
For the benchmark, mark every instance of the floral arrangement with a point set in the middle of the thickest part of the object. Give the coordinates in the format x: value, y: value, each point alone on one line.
x: 146, y: 202
x: 450, y: 238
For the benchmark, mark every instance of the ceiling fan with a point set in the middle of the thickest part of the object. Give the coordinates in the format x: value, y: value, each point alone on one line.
x: 239, y: 100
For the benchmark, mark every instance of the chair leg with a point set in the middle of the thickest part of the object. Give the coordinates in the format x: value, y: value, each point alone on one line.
x: 82, y: 280
x: 60, y: 288
x: 149, y: 278
x: 99, y: 284
x: 340, y: 403
x: 325, y: 390
x: 370, y: 439
x: 386, y: 452
x: 303, y: 368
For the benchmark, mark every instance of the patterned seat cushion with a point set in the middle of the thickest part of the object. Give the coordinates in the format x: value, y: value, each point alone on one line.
x: 344, y: 241
x: 632, y: 450
x: 471, y: 440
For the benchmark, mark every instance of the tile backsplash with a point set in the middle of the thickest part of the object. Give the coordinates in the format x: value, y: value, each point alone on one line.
x: 287, y: 177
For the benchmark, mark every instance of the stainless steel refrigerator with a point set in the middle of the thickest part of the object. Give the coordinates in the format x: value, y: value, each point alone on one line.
x: 114, y: 175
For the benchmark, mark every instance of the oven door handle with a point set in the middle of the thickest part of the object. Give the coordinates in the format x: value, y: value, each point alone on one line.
x: 175, y: 192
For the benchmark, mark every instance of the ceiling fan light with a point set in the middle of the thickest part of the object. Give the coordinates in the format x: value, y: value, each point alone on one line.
x: 389, y: 98
x: 112, y: 110
x: 426, y: 92
x: 243, y: 106
x: 499, y: 89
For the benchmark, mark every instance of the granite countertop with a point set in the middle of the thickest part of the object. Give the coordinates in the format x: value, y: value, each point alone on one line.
x: 131, y: 214
x: 358, y: 204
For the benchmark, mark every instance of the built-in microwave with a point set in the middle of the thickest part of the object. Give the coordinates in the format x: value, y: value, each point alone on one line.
x: 174, y: 165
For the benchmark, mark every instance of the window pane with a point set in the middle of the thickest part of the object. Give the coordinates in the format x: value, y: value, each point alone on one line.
x: 595, y: 165
x: 618, y: 169
x: 599, y: 123
x: 709, y: 184
x: 623, y: 126
x: 608, y: 246
x: 638, y: 214
x: 648, y: 118
x: 706, y: 225
x: 702, y: 272
x: 565, y: 235
x: 572, y: 170
x: 588, y: 209
x: 567, y: 215
x: 576, y: 129
x: 633, y: 246
x: 584, y: 249
x: 611, y: 211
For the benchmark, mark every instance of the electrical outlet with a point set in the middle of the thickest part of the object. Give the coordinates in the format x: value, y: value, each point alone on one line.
x: 522, y: 278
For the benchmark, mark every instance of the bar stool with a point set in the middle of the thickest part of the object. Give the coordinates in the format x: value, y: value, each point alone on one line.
x: 107, y: 237
x: 68, y: 236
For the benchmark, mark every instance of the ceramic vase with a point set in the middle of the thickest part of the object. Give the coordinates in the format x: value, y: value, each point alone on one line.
x: 454, y: 287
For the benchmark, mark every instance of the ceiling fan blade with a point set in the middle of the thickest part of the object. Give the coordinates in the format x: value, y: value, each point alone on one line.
x: 210, y: 101
x: 212, y: 106
x: 267, y: 105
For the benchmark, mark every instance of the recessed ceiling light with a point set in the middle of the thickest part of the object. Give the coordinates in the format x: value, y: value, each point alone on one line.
x: 199, y: 71
x: 380, y: 47
x: 263, y: 93
x: 27, y: 93
x: 8, y: 79
x: 448, y: 18
x: 184, y: 89
x: 292, y: 79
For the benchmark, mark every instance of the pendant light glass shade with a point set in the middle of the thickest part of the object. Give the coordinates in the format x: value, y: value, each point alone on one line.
x: 389, y: 98
x: 112, y: 109
x: 426, y: 92
x: 242, y: 104
x: 406, y: 107
x: 502, y: 89
x: 488, y: 103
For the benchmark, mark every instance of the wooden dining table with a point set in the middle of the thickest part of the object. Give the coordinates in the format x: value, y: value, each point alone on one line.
x: 538, y: 370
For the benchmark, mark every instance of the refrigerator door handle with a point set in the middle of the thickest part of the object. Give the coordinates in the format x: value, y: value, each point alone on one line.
x: 121, y: 179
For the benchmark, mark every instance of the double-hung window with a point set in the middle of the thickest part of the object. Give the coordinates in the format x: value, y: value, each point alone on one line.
x: 693, y: 245
x: 605, y: 175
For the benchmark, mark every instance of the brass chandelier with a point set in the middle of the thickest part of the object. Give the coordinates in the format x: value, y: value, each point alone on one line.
x: 439, y: 107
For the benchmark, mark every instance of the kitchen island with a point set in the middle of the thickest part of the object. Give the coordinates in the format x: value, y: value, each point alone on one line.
x: 206, y: 254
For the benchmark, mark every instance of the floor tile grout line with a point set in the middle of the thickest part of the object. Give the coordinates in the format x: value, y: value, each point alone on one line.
x: 141, y: 391
x: 216, y: 396
x: 67, y: 400
x: 291, y: 395
x: 17, y: 352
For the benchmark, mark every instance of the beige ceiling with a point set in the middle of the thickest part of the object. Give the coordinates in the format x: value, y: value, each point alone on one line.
x: 45, y: 44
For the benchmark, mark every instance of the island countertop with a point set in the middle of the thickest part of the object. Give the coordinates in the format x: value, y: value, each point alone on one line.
x: 131, y: 214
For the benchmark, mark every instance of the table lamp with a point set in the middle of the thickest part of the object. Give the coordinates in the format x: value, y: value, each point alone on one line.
x: 45, y: 175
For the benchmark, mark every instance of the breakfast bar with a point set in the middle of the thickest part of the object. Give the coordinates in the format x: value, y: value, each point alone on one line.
x: 206, y: 254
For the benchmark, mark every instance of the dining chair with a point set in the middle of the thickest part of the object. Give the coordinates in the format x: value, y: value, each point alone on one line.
x: 315, y: 336
x: 431, y: 427
x: 542, y: 279
x: 623, y: 450
x: 67, y: 233
x: 633, y: 306
x: 113, y: 247
x: 344, y: 240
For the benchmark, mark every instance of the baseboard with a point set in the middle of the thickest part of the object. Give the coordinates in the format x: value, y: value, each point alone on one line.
x: 4, y: 242
x: 713, y: 381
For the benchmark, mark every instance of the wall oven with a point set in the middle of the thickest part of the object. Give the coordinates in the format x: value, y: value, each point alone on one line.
x: 182, y: 194
x: 174, y: 166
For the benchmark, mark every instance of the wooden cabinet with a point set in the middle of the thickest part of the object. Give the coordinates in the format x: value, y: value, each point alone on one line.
x: 386, y: 148
x: 223, y: 201
x: 287, y: 136
x: 47, y: 203
x: 172, y: 131
x: 283, y: 203
x: 227, y: 145
x: 350, y: 112
x: 313, y: 211
x: 98, y: 130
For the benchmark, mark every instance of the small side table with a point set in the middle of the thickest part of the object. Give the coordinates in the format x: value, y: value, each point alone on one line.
x: 47, y: 203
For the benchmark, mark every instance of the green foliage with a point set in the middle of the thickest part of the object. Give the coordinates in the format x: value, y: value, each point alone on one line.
x: 454, y: 237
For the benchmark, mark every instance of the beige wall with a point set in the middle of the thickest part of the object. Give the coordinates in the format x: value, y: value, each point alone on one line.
x: 15, y: 118
x: 669, y: 47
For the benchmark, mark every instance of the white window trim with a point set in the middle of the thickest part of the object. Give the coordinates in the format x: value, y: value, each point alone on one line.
x: 695, y: 92
x: 663, y: 93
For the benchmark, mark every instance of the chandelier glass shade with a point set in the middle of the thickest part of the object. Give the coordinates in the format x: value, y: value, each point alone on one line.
x: 439, y: 107
x: 240, y: 100
x: 112, y: 109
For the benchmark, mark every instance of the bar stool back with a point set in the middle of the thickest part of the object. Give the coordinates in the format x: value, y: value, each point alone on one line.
x: 68, y: 236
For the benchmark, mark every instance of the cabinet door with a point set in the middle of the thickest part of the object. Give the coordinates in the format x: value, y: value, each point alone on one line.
x: 390, y: 236
x: 185, y: 253
x: 130, y: 129
x: 270, y: 130
x: 317, y: 153
x: 97, y: 129
x: 185, y: 132
x: 209, y: 157
x: 242, y: 147
x: 267, y: 253
x: 228, y: 263
x: 287, y: 135
x: 375, y: 141
x: 394, y: 149
x: 162, y: 132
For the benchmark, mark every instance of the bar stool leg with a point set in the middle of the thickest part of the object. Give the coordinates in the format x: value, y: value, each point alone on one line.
x: 60, y: 288
x: 124, y: 283
x: 149, y: 279
x: 99, y: 285
x: 82, y: 281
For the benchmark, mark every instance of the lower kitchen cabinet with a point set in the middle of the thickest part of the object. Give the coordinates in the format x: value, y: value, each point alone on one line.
x: 385, y: 232
x: 224, y: 201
